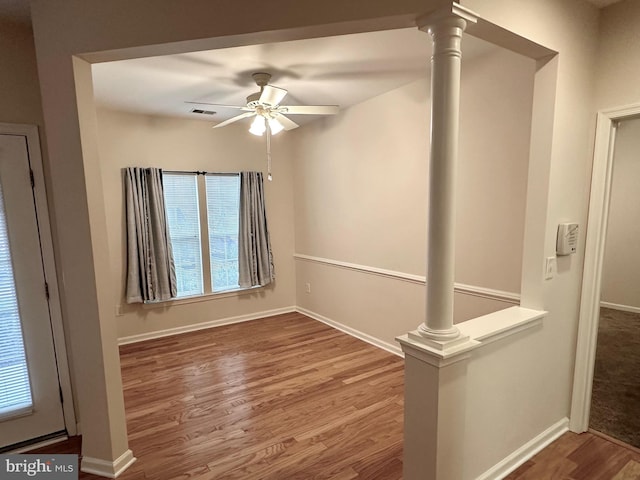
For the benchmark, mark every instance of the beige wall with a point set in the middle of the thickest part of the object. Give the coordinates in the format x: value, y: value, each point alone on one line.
x: 495, y: 128
x: 621, y: 267
x: 355, y: 178
x: 73, y: 27
x: 127, y: 140
x: 540, y: 365
x: 65, y: 32
x: 19, y: 87
x: 617, y: 85
x: 492, y: 190
x: 618, y: 64
x: 361, y: 192
x: 20, y: 102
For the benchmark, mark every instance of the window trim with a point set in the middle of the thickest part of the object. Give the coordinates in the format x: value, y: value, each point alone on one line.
x: 205, y: 250
x: 204, y: 297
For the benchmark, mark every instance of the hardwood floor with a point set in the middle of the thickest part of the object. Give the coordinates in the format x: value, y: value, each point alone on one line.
x: 286, y: 398
x: 280, y: 398
x: 581, y: 457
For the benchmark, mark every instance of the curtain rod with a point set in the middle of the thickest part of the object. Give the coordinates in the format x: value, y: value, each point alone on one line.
x: 198, y: 172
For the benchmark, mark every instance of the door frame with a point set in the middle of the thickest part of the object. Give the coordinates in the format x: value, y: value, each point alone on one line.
x: 601, y: 180
x: 30, y: 132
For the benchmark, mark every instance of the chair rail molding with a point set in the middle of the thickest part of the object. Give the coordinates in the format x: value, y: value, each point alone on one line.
x: 489, y: 293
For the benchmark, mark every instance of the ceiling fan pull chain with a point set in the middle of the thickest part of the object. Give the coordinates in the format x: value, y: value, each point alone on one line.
x: 268, y: 152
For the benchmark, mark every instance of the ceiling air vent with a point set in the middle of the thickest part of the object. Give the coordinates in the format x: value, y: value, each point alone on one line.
x: 203, y: 112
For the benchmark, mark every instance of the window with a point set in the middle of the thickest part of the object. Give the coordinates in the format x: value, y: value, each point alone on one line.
x: 202, y: 213
x: 223, y: 204
x: 15, y: 391
x: 181, y: 201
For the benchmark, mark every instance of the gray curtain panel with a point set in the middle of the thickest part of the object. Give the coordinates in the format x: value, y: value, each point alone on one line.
x: 151, y: 273
x: 255, y: 259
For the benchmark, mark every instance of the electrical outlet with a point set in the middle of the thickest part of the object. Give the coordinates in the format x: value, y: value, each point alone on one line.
x: 119, y: 311
x: 307, y: 287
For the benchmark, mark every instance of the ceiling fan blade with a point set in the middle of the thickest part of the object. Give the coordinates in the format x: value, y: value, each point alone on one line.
x: 272, y: 95
x: 287, y: 123
x: 235, y: 107
x: 235, y: 119
x: 310, y: 109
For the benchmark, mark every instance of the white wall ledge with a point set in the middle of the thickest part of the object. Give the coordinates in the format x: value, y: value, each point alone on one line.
x: 503, y: 323
x: 474, y: 334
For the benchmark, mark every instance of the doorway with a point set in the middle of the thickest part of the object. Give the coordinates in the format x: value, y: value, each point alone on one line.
x: 600, y: 213
x: 31, y: 386
x: 615, y: 404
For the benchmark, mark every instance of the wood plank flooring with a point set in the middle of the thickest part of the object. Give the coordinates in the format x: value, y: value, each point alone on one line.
x: 581, y: 457
x: 285, y: 398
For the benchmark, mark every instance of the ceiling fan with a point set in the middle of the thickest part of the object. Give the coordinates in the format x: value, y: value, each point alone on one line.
x: 269, y: 114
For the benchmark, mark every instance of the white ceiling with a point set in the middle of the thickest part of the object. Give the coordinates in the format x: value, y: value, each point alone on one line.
x: 342, y: 70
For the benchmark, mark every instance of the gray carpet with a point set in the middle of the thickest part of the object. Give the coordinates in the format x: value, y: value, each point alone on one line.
x: 615, y: 405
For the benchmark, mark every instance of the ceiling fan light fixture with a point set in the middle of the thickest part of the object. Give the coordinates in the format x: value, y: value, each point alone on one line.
x: 258, y: 126
x: 275, y: 126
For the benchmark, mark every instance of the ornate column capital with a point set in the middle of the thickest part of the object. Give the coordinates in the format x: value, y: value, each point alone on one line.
x: 454, y: 15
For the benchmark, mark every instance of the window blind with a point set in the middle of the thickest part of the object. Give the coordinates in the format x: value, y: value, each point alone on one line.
x: 181, y: 203
x: 15, y: 390
x: 223, y: 206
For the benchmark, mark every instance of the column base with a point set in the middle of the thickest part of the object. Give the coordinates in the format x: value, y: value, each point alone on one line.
x: 106, y: 468
x: 441, y: 335
x: 437, y: 352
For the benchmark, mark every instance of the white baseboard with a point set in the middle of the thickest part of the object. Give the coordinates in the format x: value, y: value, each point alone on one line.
x: 524, y: 453
x: 202, y: 326
x: 105, y: 468
x: 254, y: 316
x: 617, y: 306
x: 353, y: 332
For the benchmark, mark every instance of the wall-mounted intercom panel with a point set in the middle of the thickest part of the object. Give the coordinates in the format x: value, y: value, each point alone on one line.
x: 567, y: 240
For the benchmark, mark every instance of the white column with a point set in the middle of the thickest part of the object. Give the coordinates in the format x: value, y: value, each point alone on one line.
x: 446, y: 30
x: 436, y: 355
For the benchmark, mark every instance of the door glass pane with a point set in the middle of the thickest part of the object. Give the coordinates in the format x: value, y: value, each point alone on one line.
x: 223, y: 205
x: 15, y: 391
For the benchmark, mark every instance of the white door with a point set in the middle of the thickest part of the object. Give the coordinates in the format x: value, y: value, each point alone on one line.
x: 30, y: 399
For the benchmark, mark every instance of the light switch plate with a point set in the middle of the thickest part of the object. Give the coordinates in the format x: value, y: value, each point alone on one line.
x: 550, y: 268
